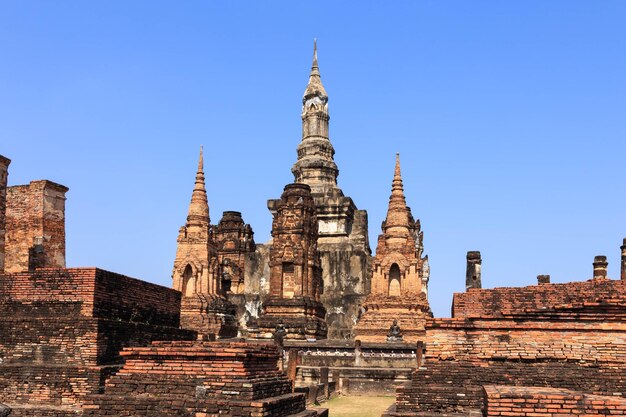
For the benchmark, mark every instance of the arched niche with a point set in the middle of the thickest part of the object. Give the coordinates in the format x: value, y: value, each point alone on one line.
x: 394, y: 280
x: 189, y: 282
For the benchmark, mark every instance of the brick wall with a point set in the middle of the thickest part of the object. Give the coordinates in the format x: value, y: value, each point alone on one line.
x: 548, y: 402
x: 35, y: 226
x: 569, y: 336
x: 537, y: 300
x: 61, y: 331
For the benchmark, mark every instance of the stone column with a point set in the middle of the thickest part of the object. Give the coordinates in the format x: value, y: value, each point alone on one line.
x: 4, y: 173
x: 472, y: 274
x: 543, y: 279
x: 623, y: 274
x: 600, y: 267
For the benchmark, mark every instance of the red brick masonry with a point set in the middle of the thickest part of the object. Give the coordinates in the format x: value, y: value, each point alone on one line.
x: 200, y: 379
x: 548, y: 402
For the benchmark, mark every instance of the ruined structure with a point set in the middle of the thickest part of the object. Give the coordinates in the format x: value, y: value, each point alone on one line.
x: 172, y: 379
x: 567, y: 341
x: 35, y: 226
x: 295, y: 274
x: 61, y: 331
x: 197, y: 270
x: 400, y: 276
x: 473, y: 270
x: 343, y: 241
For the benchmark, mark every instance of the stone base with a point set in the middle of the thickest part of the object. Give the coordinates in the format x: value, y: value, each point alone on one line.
x: 211, y: 316
x: 302, y: 318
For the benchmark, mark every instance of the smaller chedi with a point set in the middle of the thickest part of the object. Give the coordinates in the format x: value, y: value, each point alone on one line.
x: 397, y: 308
x: 198, y: 271
x: 295, y: 272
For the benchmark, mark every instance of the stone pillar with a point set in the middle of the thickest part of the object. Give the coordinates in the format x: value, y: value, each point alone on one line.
x: 623, y: 272
x: 543, y: 279
x: 4, y: 173
x: 600, y: 267
x: 472, y: 274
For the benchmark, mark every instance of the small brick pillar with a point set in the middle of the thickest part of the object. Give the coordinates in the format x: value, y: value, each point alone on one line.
x: 543, y: 279
x: 472, y: 274
x: 623, y: 272
x: 419, y: 354
x: 600, y: 267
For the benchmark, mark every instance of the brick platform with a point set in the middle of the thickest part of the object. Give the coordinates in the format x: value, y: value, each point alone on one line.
x: 61, y: 331
x: 200, y: 379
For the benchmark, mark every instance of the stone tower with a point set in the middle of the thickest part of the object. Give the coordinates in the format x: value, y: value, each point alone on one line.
x: 295, y: 274
x: 196, y: 271
x: 343, y: 241
x: 400, y: 274
x: 4, y: 174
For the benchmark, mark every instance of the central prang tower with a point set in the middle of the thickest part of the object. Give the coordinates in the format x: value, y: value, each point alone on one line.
x: 343, y: 242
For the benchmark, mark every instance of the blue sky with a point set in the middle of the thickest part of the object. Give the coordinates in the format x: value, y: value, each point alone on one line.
x: 510, y: 118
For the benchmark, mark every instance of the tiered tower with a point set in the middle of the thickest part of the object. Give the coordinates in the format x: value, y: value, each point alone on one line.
x: 400, y: 275
x: 197, y: 273
x: 295, y: 273
x: 343, y: 242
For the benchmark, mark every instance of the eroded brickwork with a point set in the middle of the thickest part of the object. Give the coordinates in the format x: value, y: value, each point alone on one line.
x: 570, y: 336
x: 4, y: 174
x: 200, y: 379
x: 35, y: 226
x: 61, y: 331
x: 235, y: 240
x: 295, y: 273
x: 400, y: 275
x: 548, y: 402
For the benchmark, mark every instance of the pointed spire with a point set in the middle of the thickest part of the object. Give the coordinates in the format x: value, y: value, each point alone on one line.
x: 315, y: 68
x: 397, y: 222
x: 199, y: 206
x: 315, y: 87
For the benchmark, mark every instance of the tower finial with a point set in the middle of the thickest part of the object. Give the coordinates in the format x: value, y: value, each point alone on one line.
x: 199, y: 206
x: 397, y: 222
x: 314, y: 53
x: 201, y: 161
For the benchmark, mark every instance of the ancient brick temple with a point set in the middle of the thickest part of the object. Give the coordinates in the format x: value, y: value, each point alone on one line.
x: 400, y: 276
x: 295, y: 274
x: 343, y: 241
x: 198, y: 272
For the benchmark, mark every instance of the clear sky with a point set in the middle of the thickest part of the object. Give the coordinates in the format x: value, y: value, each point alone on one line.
x: 510, y: 118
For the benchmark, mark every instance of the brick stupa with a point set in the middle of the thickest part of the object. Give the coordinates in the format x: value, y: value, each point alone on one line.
x: 196, y: 273
x: 400, y: 276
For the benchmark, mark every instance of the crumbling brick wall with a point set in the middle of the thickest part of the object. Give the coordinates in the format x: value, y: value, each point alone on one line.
x: 35, y: 226
x: 570, y: 336
x: 61, y: 331
x: 548, y: 402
